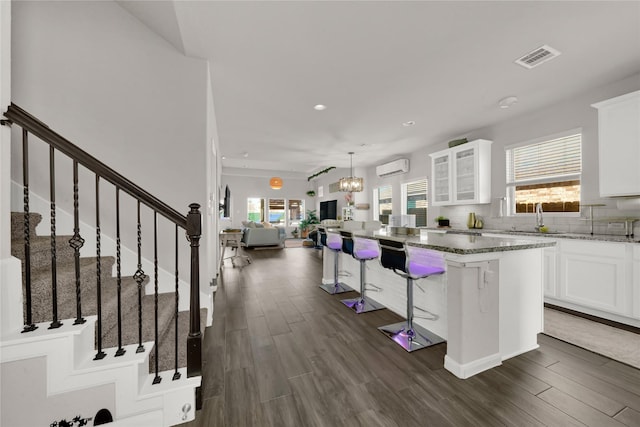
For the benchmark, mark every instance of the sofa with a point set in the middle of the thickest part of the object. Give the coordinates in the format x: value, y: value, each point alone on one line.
x: 259, y: 234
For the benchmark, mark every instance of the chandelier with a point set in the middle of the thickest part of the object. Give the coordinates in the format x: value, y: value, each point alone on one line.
x: 351, y: 183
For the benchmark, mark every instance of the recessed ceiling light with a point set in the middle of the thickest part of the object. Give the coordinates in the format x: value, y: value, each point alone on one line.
x: 224, y: 157
x: 319, y: 107
x: 507, y: 102
x: 245, y: 155
x: 409, y: 123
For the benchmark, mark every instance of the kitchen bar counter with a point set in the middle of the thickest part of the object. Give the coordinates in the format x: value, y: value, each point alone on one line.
x: 461, y: 244
x: 532, y: 233
x: 488, y: 305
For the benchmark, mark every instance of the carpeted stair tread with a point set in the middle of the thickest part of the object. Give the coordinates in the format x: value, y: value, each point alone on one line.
x: 40, y: 249
x: 109, y: 297
x: 17, y: 224
x: 130, y: 320
x: 41, y: 291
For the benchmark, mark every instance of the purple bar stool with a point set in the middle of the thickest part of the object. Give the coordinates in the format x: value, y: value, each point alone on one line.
x: 412, y: 263
x: 363, y: 250
x: 333, y: 242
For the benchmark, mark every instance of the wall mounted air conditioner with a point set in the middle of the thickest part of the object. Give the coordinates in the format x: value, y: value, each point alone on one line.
x: 393, y: 168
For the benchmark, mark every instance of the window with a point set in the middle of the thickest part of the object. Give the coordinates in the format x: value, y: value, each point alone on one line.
x: 276, y: 211
x: 382, y: 198
x: 414, y: 200
x: 295, y: 209
x: 255, y: 209
x: 545, y: 171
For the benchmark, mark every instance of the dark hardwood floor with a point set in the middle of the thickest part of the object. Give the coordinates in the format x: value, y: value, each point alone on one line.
x: 282, y: 352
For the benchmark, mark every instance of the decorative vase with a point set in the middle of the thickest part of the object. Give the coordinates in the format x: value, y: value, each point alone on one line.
x: 471, y: 222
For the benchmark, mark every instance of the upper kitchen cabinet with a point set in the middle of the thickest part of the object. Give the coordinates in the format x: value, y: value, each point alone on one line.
x: 619, y: 145
x: 462, y: 175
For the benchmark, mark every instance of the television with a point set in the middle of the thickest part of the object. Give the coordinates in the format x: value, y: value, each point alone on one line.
x: 225, y: 206
x: 329, y: 210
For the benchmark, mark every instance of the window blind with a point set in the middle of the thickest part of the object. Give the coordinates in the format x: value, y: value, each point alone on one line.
x: 384, y: 193
x: 417, y: 193
x: 549, y: 159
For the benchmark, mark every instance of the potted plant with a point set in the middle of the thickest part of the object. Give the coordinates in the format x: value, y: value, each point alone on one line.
x: 294, y: 233
x: 311, y: 193
x: 442, y: 221
x: 305, y: 225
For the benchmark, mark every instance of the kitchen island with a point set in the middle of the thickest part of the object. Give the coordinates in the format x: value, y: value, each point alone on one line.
x: 488, y: 305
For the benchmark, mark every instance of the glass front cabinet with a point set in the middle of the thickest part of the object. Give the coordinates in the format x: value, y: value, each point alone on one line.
x: 462, y: 175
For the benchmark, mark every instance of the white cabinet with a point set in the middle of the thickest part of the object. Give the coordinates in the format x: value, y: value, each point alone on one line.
x: 594, y: 275
x: 619, y: 145
x: 550, y: 272
x: 635, y: 274
x: 462, y: 174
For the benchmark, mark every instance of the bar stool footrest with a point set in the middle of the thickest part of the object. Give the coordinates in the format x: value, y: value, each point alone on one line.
x: 362, y: 305
x: 411, y: 340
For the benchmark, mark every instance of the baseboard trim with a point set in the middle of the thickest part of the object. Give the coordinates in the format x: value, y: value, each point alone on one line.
x: 612, y: 323
x: 470, y: 369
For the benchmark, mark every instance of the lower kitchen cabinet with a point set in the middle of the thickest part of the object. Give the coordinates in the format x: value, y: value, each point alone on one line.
x: 550, y: 272
x: 636, y: 281
x: 595, y: 275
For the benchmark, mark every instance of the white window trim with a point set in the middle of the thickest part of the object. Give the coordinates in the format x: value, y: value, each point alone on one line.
x: 403, y: 193
x: 544, y: 138
x: 510, y: 186
x: 376, y: 204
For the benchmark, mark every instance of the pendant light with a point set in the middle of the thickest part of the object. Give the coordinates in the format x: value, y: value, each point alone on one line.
x: 351, y: 183
x: 276, y: 182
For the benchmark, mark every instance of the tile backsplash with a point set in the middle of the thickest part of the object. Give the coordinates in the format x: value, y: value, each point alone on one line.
x: 490, y: 215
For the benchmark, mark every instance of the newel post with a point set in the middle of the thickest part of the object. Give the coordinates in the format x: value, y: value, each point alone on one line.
x: 194, y: 340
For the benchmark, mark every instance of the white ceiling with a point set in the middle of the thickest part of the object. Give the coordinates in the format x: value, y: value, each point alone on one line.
x: 444, y: 65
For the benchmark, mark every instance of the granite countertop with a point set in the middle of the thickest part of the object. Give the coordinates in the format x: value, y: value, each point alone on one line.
x: 460, y: 244
x: 550, y: 235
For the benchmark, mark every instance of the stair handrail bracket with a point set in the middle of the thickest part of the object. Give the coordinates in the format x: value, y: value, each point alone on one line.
x: 191, y: 223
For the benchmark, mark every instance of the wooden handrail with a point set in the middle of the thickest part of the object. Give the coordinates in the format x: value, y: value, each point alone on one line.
x: 19, y: 116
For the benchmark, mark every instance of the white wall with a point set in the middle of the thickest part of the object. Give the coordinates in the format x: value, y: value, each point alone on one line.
x: 214, y: 173
x: 25, y: 381
x: 5, y: 133
x: 96, y: 75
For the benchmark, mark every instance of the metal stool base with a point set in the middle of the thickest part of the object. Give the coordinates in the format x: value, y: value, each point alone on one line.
x: 336, y: 288
x: 362, y: 305
x: 417, y: 339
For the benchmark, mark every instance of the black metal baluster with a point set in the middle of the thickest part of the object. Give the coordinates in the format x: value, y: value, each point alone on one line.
x: 76, y: 242
x: 120, y: 350
x: 157, y: 378
x: 55, y: 323
x: 100, y: 354
x: 139, y: 277
x: 176, y: 375
x: 29, y: 325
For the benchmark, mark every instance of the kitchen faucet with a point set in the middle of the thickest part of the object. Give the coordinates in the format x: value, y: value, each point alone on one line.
x: 539, y: 222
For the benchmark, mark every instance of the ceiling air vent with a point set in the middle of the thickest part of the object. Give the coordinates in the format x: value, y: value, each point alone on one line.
x: 537, y: 57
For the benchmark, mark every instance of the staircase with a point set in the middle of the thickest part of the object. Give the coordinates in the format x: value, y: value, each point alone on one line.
x: 65, y: 266
x: 103, y: 338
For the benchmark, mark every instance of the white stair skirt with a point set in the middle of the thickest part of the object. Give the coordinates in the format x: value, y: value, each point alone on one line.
x: 70, y: 368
